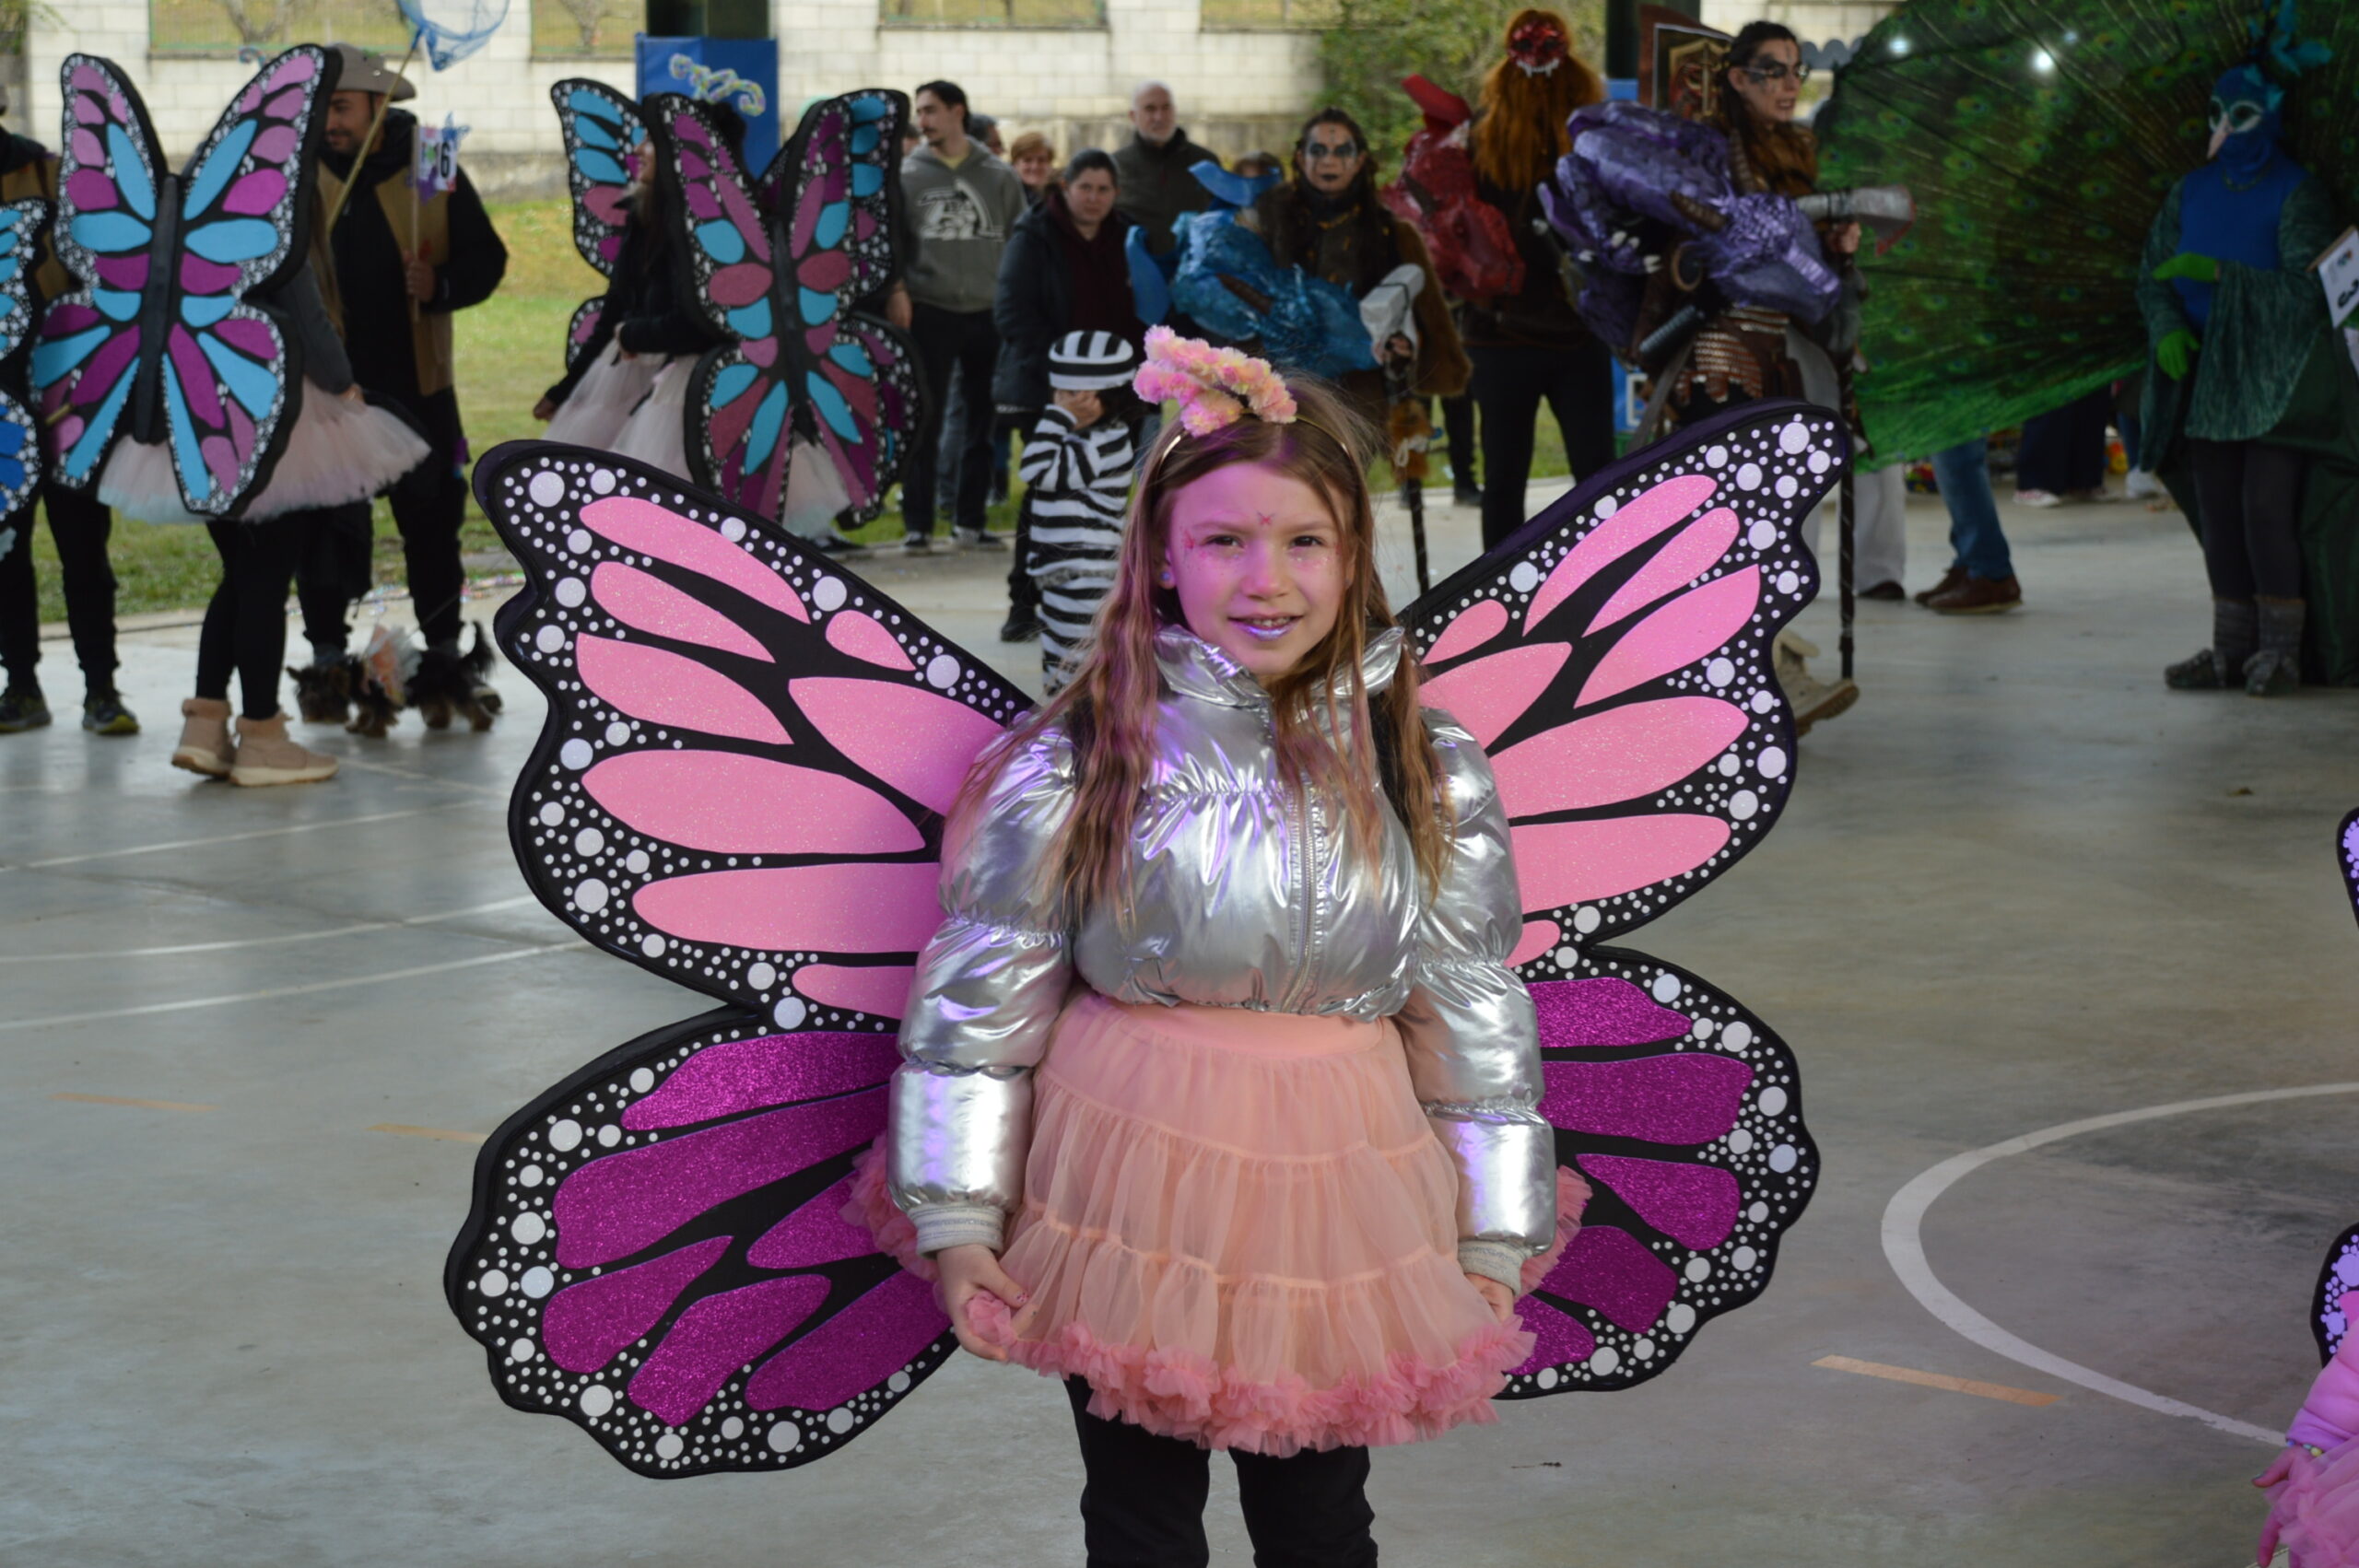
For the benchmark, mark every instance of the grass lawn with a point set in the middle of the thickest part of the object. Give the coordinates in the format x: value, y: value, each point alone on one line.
x: 509, y: 349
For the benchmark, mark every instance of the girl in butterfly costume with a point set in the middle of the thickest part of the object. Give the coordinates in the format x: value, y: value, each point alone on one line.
x: 611, y: 166
x: 1204, y: 1138
x: 750, y: 781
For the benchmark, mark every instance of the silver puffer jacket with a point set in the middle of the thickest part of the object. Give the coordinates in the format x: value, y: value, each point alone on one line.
x: 1246, y: 897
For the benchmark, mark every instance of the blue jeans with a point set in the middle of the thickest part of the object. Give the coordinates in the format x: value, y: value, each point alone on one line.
x: 1962, y: 472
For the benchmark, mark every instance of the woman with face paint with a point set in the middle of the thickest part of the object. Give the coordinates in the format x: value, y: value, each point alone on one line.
x: 2233, y: 317
x: 1325, y: 218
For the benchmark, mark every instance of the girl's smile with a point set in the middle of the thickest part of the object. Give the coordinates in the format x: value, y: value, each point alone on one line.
x: 1256, y: 559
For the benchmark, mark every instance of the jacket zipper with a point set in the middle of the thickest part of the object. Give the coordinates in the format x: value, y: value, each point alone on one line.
x: 1300, y: 807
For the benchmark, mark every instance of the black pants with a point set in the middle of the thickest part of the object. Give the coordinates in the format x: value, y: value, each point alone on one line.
x: 246, y: 624
x: 335, y: 564
x: 1508, y: 387
x: 1458, y: 429
x: 1143, y: 1506
x: 429, y: 503
x: 964, y: 343
x: 79, y: 526
x: 2250, y: 496
x: 2063, y: 449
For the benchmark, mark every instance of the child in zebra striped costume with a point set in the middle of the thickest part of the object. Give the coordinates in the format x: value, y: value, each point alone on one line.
x: 1077, y: 467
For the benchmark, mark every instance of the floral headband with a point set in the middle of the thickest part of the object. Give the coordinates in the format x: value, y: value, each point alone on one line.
x: 1538, y: 47
x: 1214, y: 387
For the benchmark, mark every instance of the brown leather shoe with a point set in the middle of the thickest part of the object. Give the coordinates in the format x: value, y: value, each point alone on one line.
x: 1953, y: 578
x: 1888, y: 590
x: 1977, y: 596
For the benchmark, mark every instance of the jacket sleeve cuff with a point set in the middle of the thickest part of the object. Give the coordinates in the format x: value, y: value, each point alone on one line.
x: 1492, y: 1259
x: 956, y: 1224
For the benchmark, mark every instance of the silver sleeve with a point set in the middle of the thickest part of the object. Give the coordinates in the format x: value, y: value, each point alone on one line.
x: 1474, y: 1043
x: 989, y: 988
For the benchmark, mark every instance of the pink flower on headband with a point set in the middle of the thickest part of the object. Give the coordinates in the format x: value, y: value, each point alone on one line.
x: 1213, y: 386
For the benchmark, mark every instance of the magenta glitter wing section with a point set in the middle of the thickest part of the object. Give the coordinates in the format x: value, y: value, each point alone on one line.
x: 749, y: 752
x: 658, y: 1252
x: 1615, y: 660
x: 2347, y: 842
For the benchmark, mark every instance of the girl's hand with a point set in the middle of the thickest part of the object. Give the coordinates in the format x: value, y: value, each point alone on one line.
x: 1083, y: 406
x: 1500, y: 1299
x: 545, y: 411
x: 1844, y: 238
x: 353, y: 393
x: 967, y: 1272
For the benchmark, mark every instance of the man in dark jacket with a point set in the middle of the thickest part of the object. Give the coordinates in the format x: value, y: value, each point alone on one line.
x: 78, y: 523
x: 404, y: 267
x: 1153, y: 166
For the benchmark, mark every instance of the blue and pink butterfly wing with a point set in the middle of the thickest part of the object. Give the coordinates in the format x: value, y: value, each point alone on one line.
x: 604, y: 137
x: 86, y: 361
x: 742, y: 785
x: 1615, y: 660
x: 837, y: 200
x: 21, y: 224
x: 231, y: 388
x: 738, y: 405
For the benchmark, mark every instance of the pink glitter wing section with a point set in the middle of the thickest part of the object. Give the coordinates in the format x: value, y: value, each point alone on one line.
x: 1681, y: 1100
x: 733, y: 804
x: 1624, y: 753
x: 864, y: 638
x: 623, y: 1203
x: 1695, y: 1205
x: 920, y: 743
x: 1694, y: 551
x: 648, y: 603
x: 1635, y: 523
x: 1689, y: 627
x: 650, y: 530
x: 1609, y: 1268
x: 1609, y: 1011
x: 587, y: 1325
x: 852, y: 1351
x: 663, y: 688
x: 814, y: 1234
x: 1574, y: 862
x: 840, y: 908
x: 1491, y: 693
x: 715, y: 1337
x: 882, y: 989
x: 736, y: 1076
x: 1481, y: 622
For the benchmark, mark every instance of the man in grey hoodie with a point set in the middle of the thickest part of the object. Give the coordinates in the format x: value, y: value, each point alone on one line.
x: 961, y: 204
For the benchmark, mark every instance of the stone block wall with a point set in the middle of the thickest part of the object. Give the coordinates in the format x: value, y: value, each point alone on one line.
x: 1237, y: 89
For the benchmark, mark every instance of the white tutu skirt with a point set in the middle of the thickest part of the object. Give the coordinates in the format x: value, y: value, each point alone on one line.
x: 656, y: 432
x: 816, y: 494
x: 603, y: 399
x: 337, y: 452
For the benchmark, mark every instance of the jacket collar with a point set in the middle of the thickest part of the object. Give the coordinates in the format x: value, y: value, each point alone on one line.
x: 1193, y: 667
x: 1177, y: 146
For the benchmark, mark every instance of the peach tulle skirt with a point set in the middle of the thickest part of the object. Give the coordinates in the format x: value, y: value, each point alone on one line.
x: 2316, y: 1508
x: 1239, y: 1229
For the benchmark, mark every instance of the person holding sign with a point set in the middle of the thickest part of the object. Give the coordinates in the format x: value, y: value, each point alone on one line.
x: 407, y: 258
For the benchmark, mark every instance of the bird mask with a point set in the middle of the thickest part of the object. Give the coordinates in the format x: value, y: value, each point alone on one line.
x: 2246, y: 120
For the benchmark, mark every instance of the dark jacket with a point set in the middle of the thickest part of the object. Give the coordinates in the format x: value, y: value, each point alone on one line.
x: 1542, y: 315
x: 649, y: 306
x: 1034, y: 305
x: 1155, y: 185
x: 370, y: 269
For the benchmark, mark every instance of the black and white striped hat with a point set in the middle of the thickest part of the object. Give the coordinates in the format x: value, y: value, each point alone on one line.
x: 1091, y: 361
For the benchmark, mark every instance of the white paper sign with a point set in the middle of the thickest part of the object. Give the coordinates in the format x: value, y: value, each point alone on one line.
x: 2339, y: 270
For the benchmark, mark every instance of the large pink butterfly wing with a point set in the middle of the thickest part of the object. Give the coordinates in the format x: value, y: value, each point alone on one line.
x: 741, y: 784
x: 1615, y: 660
x: 749, y: 751
x: 2339, y: 1275
x: 657, y: 1251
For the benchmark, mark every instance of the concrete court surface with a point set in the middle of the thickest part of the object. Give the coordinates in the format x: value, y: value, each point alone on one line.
x: 2018, y: 886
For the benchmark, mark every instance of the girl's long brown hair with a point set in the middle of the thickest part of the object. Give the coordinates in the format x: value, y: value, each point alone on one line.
x: 1108, y: 709
x: 1519, y: 132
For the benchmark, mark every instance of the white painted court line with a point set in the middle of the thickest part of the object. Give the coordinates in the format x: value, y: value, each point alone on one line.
x: 228, y: 838
x: 1904, y: 1248
x: 269, y: 941
x: 192, y: 1003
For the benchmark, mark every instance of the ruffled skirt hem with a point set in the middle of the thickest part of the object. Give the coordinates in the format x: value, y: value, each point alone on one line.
x: 603, y: 399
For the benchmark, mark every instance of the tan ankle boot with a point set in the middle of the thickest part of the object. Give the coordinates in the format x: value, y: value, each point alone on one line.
x: 204, y: 738
x: 266, y: 757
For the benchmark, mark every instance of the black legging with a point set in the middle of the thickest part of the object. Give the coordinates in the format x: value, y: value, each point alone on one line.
x: 1508, y: 387
x: 78, y: 525
x: 2063, y: 449
x: 1143, y: 1506
x: 245, y: 625
x: 2250, y: 496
